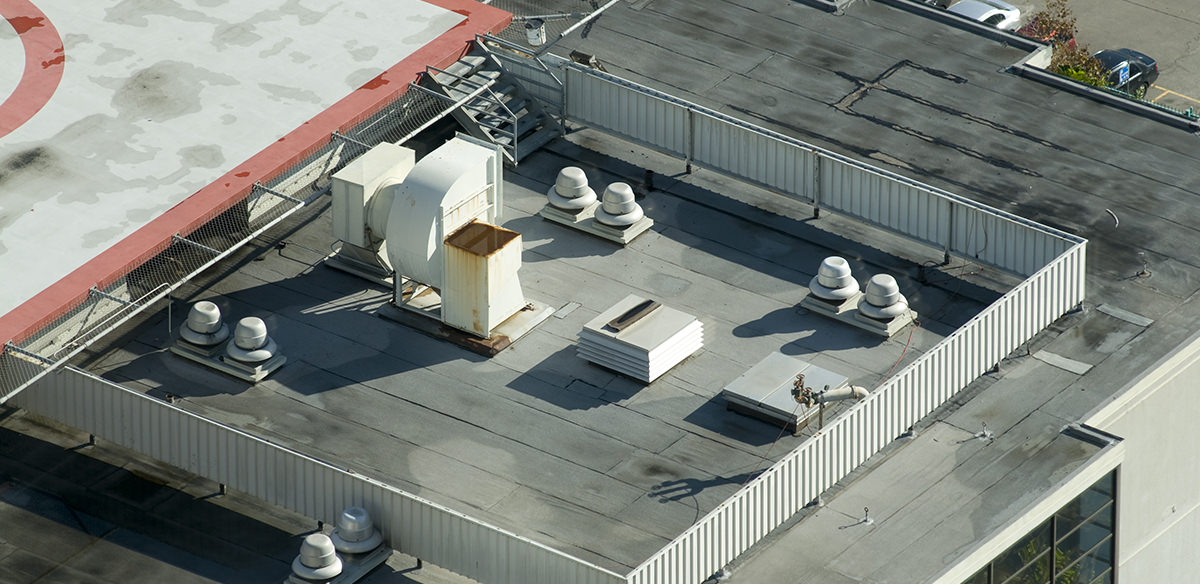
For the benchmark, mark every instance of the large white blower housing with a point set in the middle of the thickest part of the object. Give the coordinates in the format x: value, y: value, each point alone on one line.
x: 429, y: 228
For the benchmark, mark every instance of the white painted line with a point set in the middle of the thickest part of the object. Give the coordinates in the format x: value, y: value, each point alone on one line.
x: 1125, y: 315
x: 1076, y: 367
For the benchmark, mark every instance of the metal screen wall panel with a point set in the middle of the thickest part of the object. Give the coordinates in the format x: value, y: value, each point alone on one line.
x: 634, y: 115
x: 295, y: 481
x: 753, y: 156
x: 869, y: 425
x: 881, y: 200
x: 827, y: 180
x: 1005, y: 241
x: 1054, y: 260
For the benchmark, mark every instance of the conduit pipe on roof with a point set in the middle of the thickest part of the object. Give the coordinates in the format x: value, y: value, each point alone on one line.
x: 843, y: 393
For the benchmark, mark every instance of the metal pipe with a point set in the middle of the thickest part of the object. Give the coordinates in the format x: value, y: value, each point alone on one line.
x: 544, y: 17
x: 843, y: 393
x: 590, y: 17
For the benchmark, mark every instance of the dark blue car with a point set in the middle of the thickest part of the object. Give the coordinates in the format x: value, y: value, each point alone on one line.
x: 1128, y: 70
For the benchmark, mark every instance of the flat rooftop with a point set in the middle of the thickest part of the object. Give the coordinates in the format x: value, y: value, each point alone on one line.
x: 936, y: 103
x: 535, y: 439
x: 135, y: 107
x: 81, y: 512
x: 639, y: 464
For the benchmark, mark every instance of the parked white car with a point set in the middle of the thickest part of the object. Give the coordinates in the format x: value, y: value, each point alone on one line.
x: 997, y: 13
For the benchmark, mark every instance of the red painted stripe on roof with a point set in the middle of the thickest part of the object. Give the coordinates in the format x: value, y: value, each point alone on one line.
x: 113, y: 263
x: 44, y: 63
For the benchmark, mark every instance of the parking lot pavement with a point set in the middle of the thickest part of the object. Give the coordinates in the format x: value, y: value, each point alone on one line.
x: 1168, y: 30
x: 1163, y: 96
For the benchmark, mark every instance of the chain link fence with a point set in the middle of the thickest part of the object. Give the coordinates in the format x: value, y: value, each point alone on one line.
x: 164, y: 267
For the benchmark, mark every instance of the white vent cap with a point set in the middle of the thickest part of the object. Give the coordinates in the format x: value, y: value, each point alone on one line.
x: 835, y: 273
x: 882, y: 290
x: 882, y: 299
x: 317, y: 559
x: 833, y: 280
x: 204, y: 325
x: 251, y: 333
x: 251, y: 343
x: 572, y: 182
x: 571, y: 191
x: 618, y: 206
x: 355, y: 532
x: 204, y: 317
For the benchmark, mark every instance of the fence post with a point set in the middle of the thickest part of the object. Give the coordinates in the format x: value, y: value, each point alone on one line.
x: 690, y: 140
x: 563, y: 101
x: 949, y: 233
x: 816, y: 185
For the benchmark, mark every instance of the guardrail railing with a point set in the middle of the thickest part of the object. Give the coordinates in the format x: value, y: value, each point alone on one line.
x: 176, y: 259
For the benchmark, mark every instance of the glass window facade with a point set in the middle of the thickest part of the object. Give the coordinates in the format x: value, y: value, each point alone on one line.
x: 1073, y: 546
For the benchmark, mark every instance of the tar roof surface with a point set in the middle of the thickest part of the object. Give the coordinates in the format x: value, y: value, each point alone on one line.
x: 935, y: 103
x: 878, y: 83
x: 535, y: 439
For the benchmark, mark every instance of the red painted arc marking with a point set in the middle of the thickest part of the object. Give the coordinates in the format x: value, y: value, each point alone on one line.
x: 114, y: 262
x: 44, y: 63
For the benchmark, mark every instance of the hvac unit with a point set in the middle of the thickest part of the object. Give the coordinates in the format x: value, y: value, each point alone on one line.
x: 428, y: 229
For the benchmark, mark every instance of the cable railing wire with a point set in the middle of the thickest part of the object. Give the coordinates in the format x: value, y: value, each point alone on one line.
x: 173, y: 262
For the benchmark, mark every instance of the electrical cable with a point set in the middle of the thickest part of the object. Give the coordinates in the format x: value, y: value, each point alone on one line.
x: 916, y: 325
x: 766, y: 457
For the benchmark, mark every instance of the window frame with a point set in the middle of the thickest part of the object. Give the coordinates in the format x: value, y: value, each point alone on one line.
x: 987, y: 574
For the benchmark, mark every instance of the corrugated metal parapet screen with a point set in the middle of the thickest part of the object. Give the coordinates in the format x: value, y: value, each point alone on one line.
x: 869, y: 425
x: 792, y: 168
x: 755, y: 157
x: 880, y: 200
x: 1053, y: 263
x: 641, y: 117
x: 300, y: 483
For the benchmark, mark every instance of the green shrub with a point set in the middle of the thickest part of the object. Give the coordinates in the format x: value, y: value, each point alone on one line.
x: 1082, y: 75
x: 1078, y: 63
x: 1055, y: 23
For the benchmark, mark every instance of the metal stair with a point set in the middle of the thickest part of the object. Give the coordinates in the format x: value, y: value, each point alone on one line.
x: 492, y: 106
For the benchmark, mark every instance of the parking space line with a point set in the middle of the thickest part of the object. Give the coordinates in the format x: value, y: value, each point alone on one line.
x: 1166, y: 91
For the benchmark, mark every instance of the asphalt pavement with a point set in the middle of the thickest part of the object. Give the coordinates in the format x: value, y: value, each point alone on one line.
x: 1168, y: 30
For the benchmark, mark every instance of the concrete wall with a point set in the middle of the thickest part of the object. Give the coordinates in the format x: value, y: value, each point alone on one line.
x: 1158, y: 513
